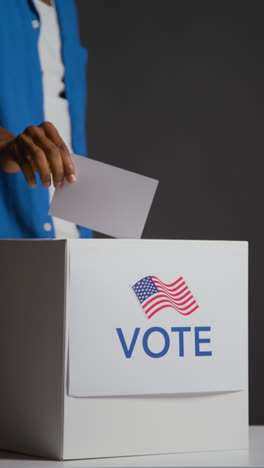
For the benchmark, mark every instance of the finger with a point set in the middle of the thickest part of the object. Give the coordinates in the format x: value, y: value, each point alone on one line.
x: 34, y: 167
x: 33, y: 164
x: 28, y: 172
x: 23, y: 147
x: 52, y: 154
x: 37, y: 157
x: 8, y: 158
x: 68, y: 165
x: 25, y: 166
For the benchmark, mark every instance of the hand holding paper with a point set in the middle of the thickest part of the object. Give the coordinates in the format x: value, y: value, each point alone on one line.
x: 105, y: 198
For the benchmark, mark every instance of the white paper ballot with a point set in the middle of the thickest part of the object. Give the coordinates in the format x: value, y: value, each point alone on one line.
x: 105, y: 198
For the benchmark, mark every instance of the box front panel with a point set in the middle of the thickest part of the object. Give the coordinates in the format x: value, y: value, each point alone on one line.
x: 157, y: 318
x: 122, y: 351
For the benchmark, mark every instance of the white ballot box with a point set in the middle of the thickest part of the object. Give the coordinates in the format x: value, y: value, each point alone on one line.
x: 123, y: 347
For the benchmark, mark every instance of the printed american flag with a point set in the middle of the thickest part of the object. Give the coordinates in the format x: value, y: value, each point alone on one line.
x: 154, y: 295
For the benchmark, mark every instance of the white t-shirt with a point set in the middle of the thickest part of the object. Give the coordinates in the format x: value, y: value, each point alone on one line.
x: 55, y: 107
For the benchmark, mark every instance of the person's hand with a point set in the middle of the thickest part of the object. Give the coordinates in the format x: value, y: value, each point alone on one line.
x: 38, y: 149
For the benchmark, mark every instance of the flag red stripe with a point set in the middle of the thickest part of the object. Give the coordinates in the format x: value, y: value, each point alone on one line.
x: 167, y: 285
x: 154, y: 296
x: 179, y: 299
x: 175, y: 306
x: 160, y: 288
x: 158, y: 296
x: 159, y: 283
x: 177, y: 303
x: 164, y: 306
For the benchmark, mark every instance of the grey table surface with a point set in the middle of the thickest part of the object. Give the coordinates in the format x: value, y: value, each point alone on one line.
x: 254, y: 457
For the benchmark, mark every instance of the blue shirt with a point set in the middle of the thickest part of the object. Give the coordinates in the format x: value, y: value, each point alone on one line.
x: 24, y: 210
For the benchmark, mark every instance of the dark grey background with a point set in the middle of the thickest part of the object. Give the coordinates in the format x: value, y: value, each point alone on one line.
x: 176, y: 93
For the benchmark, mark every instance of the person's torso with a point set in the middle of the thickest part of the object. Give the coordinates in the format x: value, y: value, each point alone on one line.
x: 24, y: 211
